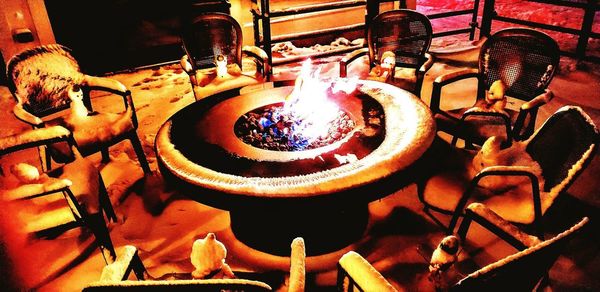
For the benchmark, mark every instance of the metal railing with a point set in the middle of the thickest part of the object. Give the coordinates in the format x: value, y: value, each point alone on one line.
x: 262, y: 14
x: 584, y: 33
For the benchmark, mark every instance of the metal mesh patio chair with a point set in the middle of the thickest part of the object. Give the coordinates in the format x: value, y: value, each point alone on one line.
x: 525, y: 60
x: 405, y: 33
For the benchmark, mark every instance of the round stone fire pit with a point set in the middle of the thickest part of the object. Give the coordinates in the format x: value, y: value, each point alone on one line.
x: 319, y: 193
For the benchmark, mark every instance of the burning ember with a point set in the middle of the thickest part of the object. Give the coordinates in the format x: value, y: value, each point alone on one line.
x: 307, y: 119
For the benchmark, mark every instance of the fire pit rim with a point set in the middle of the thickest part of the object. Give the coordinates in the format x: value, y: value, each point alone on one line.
x: 395, y: 153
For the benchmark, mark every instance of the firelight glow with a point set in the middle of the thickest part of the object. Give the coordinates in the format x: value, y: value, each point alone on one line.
x: 309, y: 103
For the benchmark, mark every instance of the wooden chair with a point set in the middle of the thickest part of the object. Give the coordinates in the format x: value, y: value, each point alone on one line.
x: 45, y: 79
x: 524, y: 270
x: 405, y: 33
x: 560, y: 149
x: 115, y: 276
x: 525, y: 60
x: 217, y: 36
x: 72, y: 195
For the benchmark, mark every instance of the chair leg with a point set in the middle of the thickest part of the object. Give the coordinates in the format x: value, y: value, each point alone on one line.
x: 97, y: 224
x: 139, y: 151
x: 105, y: 155
x: 105, y: 203
x: 138, y: 267
x: 45, y: 159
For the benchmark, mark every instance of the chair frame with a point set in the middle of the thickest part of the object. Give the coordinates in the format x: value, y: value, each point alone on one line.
x: 56, y: 134
x: 260, y: 56
x: 129, y: 261
x: 425, y: 61
x: 365, y: 277
x: 521, y: 171
x: 518, y: 131
x: 523, y: 242
x: 90, y: 83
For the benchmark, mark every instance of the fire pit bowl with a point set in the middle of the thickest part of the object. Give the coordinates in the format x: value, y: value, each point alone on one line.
x: 320, y: 193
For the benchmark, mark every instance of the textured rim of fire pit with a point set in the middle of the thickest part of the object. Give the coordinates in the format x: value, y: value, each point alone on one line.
x: 410, y: 130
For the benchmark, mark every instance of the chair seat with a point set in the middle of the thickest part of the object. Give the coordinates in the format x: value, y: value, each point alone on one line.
x: 45, y: 212
x: 479, y: 127
x: 92, y: 132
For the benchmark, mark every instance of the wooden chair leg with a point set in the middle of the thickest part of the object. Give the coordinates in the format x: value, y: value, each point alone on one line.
x: 139, y: 151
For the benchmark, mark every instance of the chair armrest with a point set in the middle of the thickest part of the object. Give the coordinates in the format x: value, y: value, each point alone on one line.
x: 30, y: 191
x: 35, y: 138
x: 427, y: 65
x: 487, y: 218
x: 185, y: 64
x: 115, y: 87
x: 457, y: 75
x: 105, y: 84
x: 297, y: 266
x: 478, y: 112
x: 180, y: 285
x: 500, y: 170
x: 522, y: 131
x: 119, y: 270
x: 261, y: 57
x: 26, y: 117
x: 446, y: 79
x: 349, y: 58
x: 362, y: 273
x: 538, y: 101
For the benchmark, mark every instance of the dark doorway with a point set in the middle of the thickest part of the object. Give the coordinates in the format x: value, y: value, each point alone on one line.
x: 114, y: 35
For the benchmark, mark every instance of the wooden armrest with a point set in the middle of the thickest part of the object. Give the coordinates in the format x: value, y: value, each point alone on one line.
x: 347, y: 59
x: 457, y: 75
x: 260, y: 55
x: 363, y: 273
x: 485, y: 213
x: 34, y: 138
x: 26, y: 117
x: 297, y: 266
x: 115, y: 87
x: 445, y: 79
x: 29, y: 191
x: 185, y: 64
x: 507, y: 169
x: 512, y: 170
x: 428, y: 63
x: 181, y: 285
x: 538, y: 100
x: 106, y: 84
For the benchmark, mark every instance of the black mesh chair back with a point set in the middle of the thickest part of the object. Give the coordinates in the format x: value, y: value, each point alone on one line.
x: 40, y: 78
x: 210, y: 35
x: 521, y: 271
x: 564, y: 145
x: 524, y: 59
x: 405, y: 32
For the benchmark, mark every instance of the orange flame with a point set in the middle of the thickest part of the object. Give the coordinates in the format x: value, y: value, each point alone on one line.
x: 309, y: 102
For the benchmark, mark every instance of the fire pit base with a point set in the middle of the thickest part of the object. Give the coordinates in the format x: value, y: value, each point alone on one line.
x: 324, y: 228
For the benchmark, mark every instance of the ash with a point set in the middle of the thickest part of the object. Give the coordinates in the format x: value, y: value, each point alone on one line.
x: 267, y: 128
